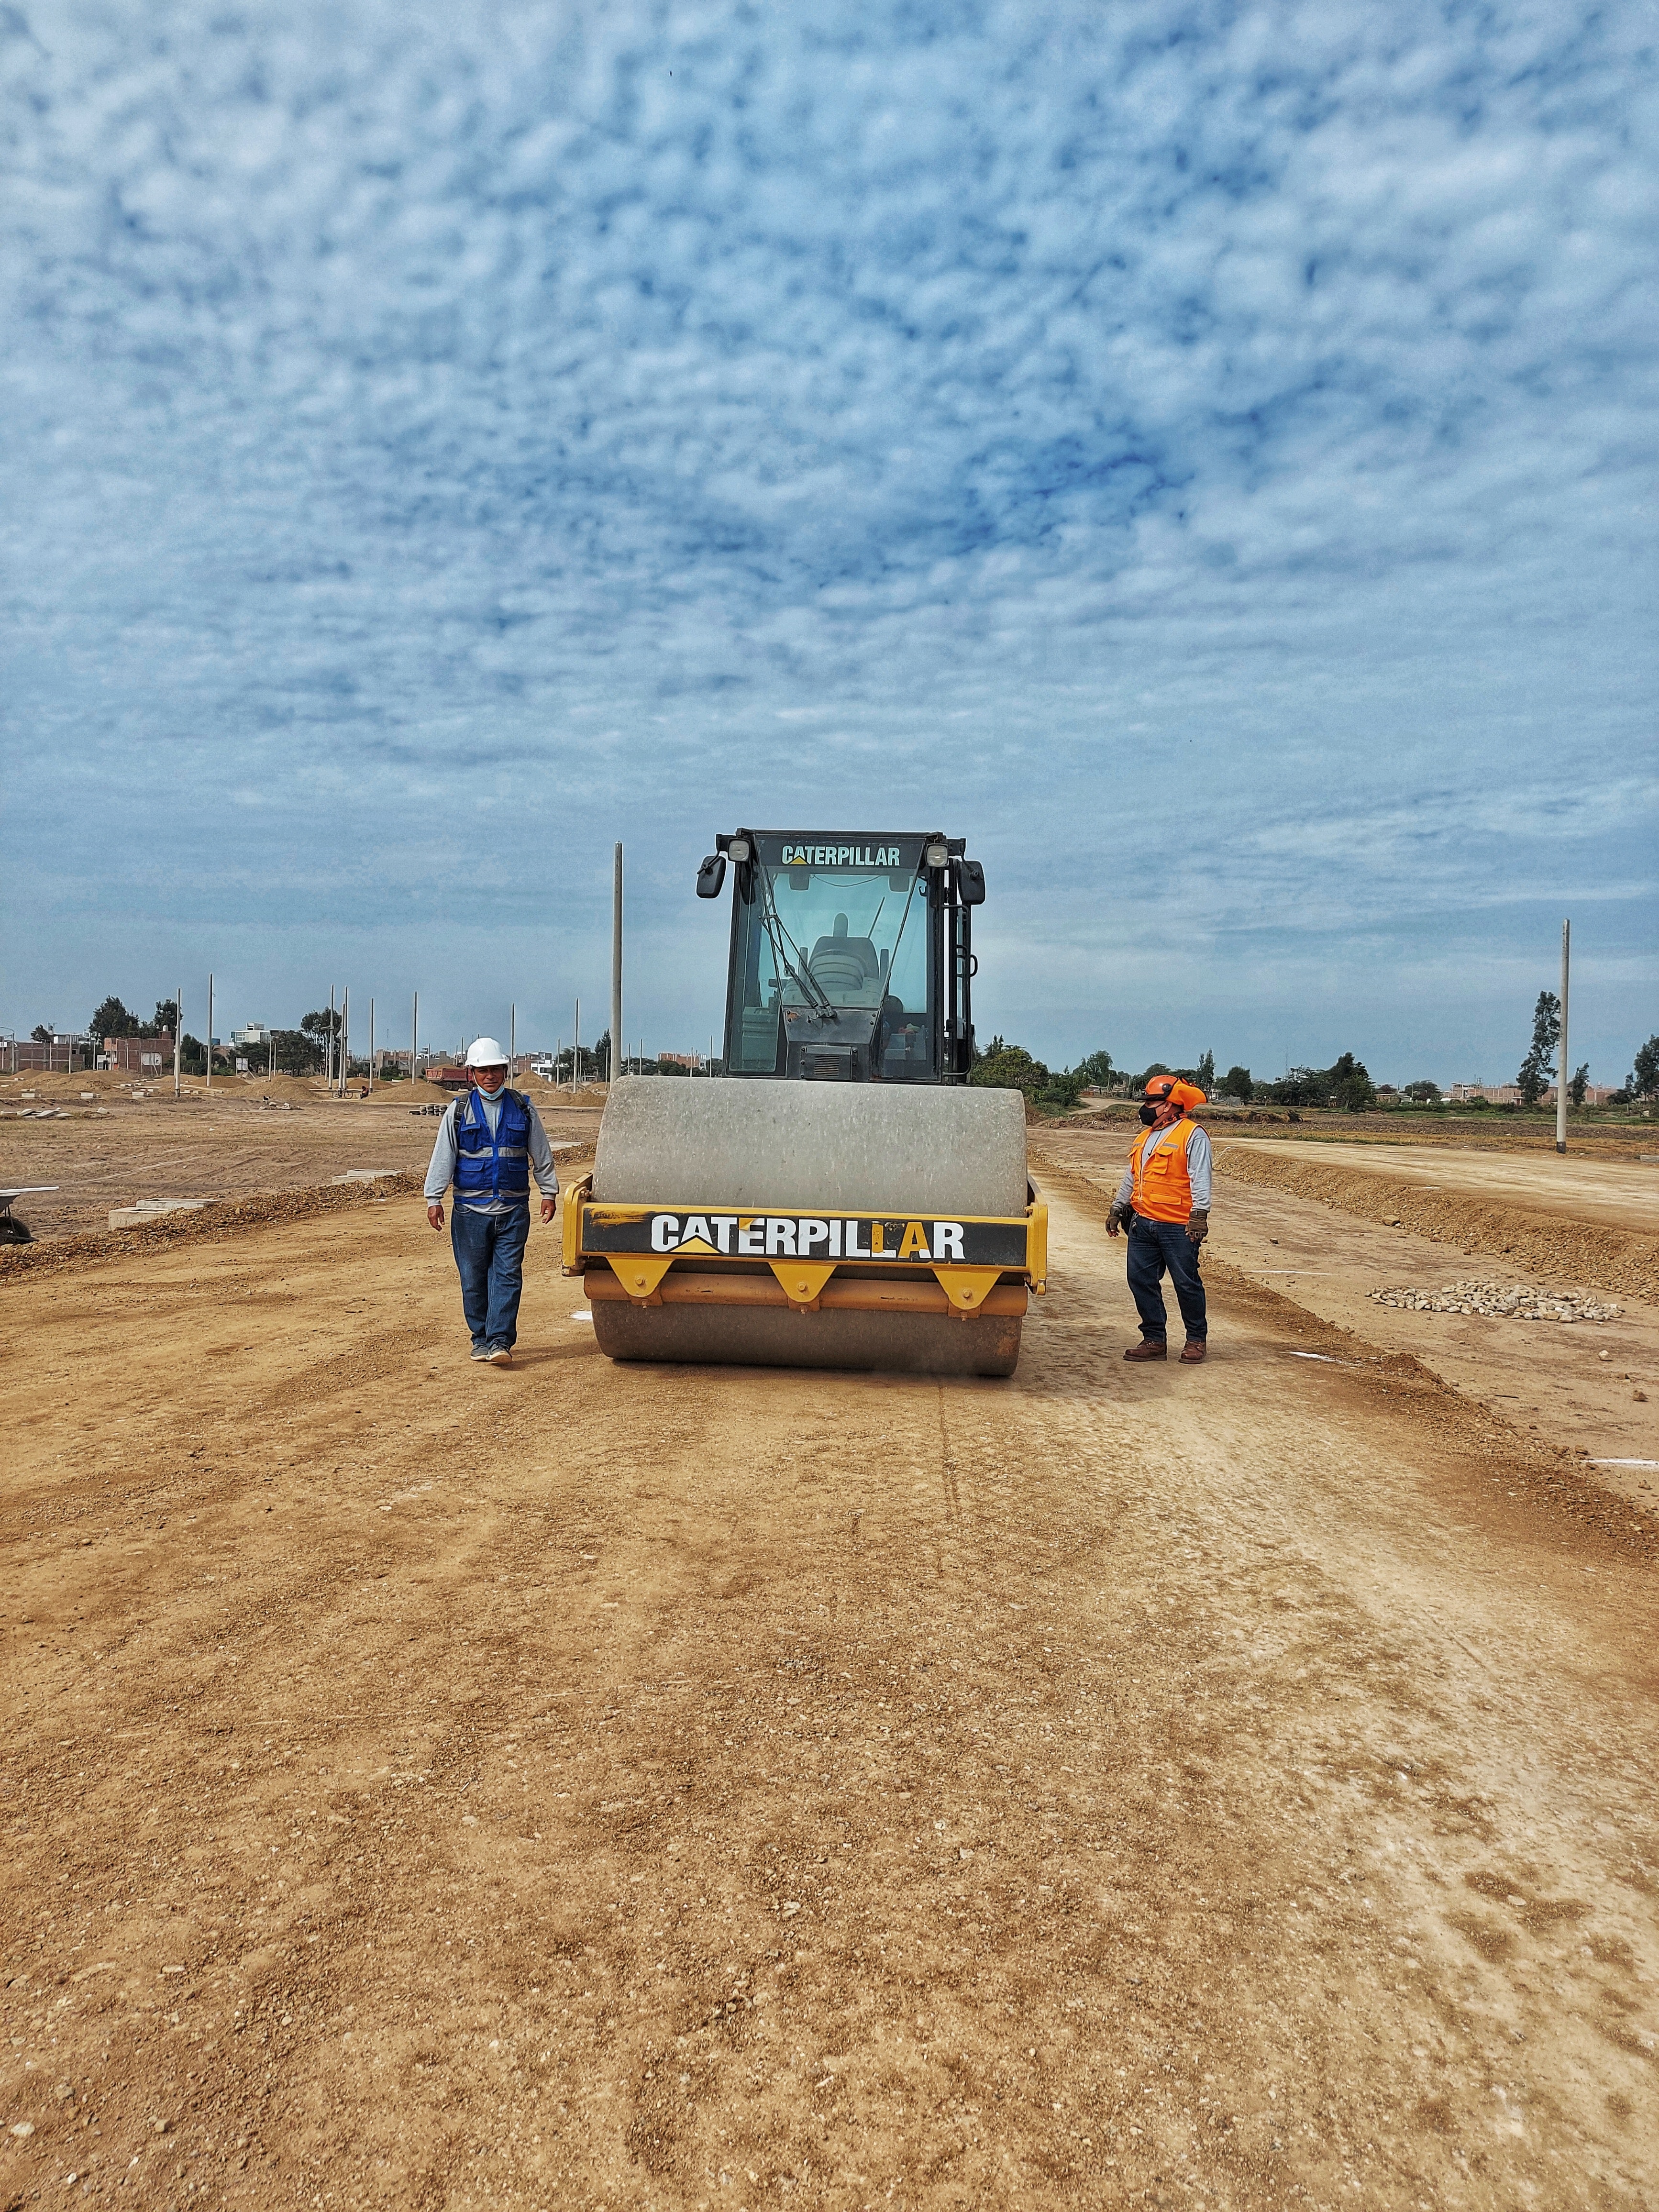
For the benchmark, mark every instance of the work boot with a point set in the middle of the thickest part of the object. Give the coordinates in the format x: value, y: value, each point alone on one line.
x: 1150, y: 1347
x: 1193, y: 1351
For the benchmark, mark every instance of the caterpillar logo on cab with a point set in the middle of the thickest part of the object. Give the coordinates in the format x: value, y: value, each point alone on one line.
x: 807, y: 1237
x: 840, y: 856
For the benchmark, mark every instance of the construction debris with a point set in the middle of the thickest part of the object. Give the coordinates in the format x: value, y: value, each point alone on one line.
x: 1502, y: 1301
x: 151, y: 1209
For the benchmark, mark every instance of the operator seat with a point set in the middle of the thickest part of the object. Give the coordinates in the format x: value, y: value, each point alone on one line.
x: 845, y: 966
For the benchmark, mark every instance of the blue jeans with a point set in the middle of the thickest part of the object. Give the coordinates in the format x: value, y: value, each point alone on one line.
x: 488, y: 1250
x: 1154, y: 1246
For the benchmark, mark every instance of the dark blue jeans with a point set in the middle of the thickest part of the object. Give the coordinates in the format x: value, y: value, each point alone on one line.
x: 488, y: 1250
x: 1154, y: 1246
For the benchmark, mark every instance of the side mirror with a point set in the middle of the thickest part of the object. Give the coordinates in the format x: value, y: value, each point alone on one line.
x: 970, y: 883
x: 711, y: 876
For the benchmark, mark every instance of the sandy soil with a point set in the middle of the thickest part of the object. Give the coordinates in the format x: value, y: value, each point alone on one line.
x: 247, y: 1134
x: 1591, y: 1389
x: 1527, y: 1135
x: 579, y: 1785
x: 1624, y: 1193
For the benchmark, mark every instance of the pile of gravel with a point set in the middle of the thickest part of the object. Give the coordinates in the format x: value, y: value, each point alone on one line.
x: 1504, y: 1301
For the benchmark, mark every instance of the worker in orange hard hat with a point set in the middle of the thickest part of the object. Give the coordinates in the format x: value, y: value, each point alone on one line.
x: 1164, y: 1201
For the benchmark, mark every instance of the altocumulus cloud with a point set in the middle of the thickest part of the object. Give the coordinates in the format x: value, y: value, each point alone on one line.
x: 1202, y: 454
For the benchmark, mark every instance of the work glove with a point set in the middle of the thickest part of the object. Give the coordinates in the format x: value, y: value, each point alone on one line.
x: 1115, y: 1217
x: 1198, y: 1224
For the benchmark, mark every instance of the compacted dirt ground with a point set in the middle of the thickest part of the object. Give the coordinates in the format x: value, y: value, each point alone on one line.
x: 581, y: 1786
x: 1328, y: 1224
x: 110, y: 1148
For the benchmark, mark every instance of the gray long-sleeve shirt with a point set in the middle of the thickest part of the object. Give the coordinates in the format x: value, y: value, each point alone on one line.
x: 441, y: 1171
x: 1198, y: 1167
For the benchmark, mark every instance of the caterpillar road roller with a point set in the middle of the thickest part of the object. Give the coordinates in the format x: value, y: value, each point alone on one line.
x: 842, y: 1198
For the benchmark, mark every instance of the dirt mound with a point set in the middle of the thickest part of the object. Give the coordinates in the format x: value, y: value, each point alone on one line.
x: 227, y: 1219
x: 1538, y: 1244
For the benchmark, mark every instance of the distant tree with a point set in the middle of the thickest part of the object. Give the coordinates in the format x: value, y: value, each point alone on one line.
x: 1349, y: 1087
x: 1064, y: 1088
x: 1204, y: 1074
x: 1010, y: 1067
x: 192, y: 1055
x: 321, y: 1027
x: 296, y: 1053
x: 1095, y: 1067
x: 1346, y: 1086
x: 1535, y: 1070
x: 1577, y: 1087
x: 112, y: 1020
x: 1644, y: 1077
x: 166, y: 1021
x: 1423, y: 1091
x: 42, y: 1033
x: 1236, y: 1083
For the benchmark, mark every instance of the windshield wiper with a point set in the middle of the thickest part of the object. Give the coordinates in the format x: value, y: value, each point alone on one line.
x: 805, y: 981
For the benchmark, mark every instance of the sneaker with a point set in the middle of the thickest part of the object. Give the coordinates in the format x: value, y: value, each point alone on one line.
x: 1150, y: 1347
x: 498, y: 1356
x: 481, y: 1352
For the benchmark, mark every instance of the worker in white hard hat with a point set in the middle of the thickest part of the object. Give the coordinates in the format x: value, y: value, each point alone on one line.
x: 490, y: 1143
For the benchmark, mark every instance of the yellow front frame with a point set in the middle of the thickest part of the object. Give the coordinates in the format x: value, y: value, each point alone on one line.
x: 965, y: 1287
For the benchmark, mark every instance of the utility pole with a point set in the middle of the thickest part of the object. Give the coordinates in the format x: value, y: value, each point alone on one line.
x: 209, y: 1034
x: 178, y: 1036
x: 414, y: 1035
x: 345, y: 1034
x: 1561, y: 1069
x: 513, y: 1042
x: 615, y: 965
x: 328, y: 1046
x: 576, y: 1051
x: 371, y: 1042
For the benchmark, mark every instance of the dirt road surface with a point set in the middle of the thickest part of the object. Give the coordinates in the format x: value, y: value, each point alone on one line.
x: 1622, y: 1192
x: 1590, y: 1389
x: 581, y: 1786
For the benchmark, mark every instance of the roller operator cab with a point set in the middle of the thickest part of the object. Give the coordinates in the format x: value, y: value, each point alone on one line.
x: 851, y: 958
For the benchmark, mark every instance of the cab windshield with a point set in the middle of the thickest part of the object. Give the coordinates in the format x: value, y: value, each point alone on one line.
x: 832, y: 970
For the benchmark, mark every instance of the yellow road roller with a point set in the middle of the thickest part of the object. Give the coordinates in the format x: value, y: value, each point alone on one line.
x: 843, y: 1197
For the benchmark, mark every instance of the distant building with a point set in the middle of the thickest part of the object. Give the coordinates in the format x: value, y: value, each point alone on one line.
x: 65, y: 1051
x: 1595, y: 1094
x: 1509, y: 1094
x: 252, y: 1034
x: 137, y: 1055
x: 690, y: 1061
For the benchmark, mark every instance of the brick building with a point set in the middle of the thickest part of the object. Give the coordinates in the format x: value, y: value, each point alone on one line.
x: 138, y: 1055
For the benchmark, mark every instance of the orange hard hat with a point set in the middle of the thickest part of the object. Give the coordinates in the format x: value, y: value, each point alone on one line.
x: 1171, y: 1087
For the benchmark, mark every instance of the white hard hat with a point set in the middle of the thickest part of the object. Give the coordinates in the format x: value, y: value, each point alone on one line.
x: 484, y: 1052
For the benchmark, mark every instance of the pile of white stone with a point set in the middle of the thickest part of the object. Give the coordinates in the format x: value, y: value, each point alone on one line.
x: 1503, y: 1301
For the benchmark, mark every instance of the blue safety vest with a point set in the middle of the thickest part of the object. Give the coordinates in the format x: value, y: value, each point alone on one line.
x: 489, y: 1167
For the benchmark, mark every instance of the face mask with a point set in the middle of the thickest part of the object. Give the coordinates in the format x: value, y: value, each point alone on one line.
x: 1149, y: 1114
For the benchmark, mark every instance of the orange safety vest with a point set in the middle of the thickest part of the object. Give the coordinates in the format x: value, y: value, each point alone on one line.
x: 1162, y: 1186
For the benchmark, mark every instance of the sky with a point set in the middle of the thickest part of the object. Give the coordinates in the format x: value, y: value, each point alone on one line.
x: 1202, y: 454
